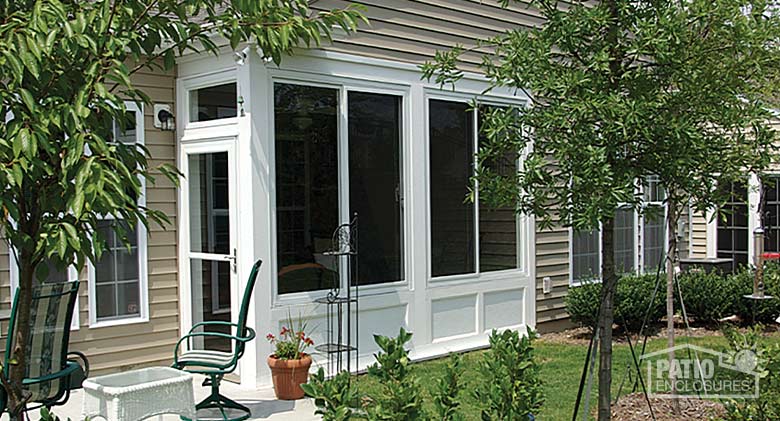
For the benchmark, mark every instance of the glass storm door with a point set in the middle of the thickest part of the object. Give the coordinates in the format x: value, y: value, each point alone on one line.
x: 210, y: 183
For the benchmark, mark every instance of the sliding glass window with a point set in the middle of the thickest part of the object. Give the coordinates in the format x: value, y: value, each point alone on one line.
x: 459, y: 226
x: 309, y: 204
x: 307, y: 179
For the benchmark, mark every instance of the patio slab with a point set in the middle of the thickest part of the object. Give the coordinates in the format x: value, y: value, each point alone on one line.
x: 262, y: 402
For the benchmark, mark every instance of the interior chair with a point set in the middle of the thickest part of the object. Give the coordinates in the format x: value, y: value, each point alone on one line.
x: 216, y: 364
x: 51, y: 372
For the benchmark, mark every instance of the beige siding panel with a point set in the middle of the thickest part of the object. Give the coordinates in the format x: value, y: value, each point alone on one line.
x: 552, y: 259
x: 412, y: 31
x: 148, y: 343
x: 698, y: 235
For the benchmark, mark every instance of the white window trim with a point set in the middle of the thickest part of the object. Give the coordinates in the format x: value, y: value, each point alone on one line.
x: 523, y: 238
x: 208, y: 81
x: 73, y: 275
x: 143, y: 314
x: 343, y: 86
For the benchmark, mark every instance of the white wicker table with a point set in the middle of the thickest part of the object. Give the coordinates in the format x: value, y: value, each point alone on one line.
x: 139, y: 394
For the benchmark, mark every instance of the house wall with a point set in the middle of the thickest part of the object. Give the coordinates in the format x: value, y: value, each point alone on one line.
x: 412, y: 32
x: 122, y: 347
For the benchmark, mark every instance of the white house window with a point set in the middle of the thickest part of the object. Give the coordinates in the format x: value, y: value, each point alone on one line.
x: 586, y: 248
x: 214, y: 102
x: 653, y: 226
x: 771, y: 215
x: 466, y: 237
x: 733, y: 235
x: 117, y: 281
x: 309, y: 202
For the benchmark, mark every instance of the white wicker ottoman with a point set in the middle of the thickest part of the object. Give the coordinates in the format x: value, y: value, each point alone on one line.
x: 139, y: 394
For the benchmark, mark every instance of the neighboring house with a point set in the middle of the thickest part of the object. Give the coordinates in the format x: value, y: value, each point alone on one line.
x: 275, y: 158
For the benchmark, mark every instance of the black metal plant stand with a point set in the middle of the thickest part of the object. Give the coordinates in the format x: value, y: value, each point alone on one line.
x: 340, y: 305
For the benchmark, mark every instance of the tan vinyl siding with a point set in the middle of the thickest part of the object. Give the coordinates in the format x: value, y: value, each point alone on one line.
x: 552, y: 259
x: 698, y: 235
x: 114, y: 348
x: 412, y: 31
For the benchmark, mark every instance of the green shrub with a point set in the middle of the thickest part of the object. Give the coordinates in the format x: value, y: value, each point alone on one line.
x: 582, y: 303
x: 766, y: 406
x: 765, y: 311
x: 448, y: 387
x: 335, y: 398
x: 708, y: 297
x: 400, y: 397
x: 634, y: 294
x: 631, y: 302
x: 511, y: 388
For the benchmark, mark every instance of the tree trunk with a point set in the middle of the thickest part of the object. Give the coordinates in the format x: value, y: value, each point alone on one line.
x: 671, y: 229
x: 16, y: 396
x: 608, y: 287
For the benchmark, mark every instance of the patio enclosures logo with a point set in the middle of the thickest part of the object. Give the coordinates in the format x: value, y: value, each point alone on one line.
x: 702, y: 373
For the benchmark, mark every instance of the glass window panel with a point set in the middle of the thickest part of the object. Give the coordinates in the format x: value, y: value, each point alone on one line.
x: 624, y: 240
x: 497, y: 226
x: 307, y: 194
x: 451, y: 166
x: 211, y: 293
x: 209, y: 205
x: 375, y: 187
x: 654, y: 245
x: 125, y: 131
x: 117, y: 274
x: 586, y: 255
x: 733, y: 232
x: 214, y: 102
x: 127, y: 299
x: 105, y: 301
x: 771, y: 221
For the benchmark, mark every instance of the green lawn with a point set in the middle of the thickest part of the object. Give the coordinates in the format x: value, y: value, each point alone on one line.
x: 561, y: 367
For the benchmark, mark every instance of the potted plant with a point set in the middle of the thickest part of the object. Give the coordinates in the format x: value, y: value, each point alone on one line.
x: 289, y: 363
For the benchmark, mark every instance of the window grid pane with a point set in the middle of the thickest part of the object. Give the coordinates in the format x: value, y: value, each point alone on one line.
x: 771, y: 215
x: 624, y: 240
x: 733, y: 229
x: 117, y: 275
x: 586, y: 255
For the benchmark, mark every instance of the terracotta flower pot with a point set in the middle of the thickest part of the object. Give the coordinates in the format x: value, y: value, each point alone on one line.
x: 288, y: 376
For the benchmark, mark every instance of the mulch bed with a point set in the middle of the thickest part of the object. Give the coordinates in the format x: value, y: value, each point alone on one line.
x: 633, y: 407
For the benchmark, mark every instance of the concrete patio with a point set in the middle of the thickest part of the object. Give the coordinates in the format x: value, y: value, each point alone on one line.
x: 262, y: 402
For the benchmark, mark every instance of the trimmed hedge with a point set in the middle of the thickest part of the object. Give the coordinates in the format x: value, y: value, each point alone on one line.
x: 708, y: 297
x: 631, y: 302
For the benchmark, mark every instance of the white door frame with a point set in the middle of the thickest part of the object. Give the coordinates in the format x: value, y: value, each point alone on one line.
x: 227, y: 144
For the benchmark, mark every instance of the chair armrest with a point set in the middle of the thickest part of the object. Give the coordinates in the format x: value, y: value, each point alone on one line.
x: 186, y: 337
x: 69, y: 369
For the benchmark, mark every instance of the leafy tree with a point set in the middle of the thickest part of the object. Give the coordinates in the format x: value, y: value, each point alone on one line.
x: 622, y: 90
x: 66, y: 68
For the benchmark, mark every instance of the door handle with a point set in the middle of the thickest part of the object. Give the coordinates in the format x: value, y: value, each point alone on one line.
x: 233, y: 261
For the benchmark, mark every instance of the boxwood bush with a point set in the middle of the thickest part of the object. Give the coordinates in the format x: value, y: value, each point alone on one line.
x: 631, y: 302
x: 708, y: 297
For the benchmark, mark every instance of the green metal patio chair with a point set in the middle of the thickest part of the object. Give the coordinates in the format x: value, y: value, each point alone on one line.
x: 216, y: 364
x: 51, y: 371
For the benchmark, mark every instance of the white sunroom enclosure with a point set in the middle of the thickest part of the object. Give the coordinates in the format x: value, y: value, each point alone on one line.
x: 275, y: 158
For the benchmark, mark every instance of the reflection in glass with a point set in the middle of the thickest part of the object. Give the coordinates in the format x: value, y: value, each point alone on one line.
x: 211, y: 300
x: 375, y: 189
x: 733, y: 226
x: 654, y: 247
x: 307, y: 194
x: 451, y: 165
x: 117, y: 273
x: 624, y: 240
x: 586, y: 255
x: 214, y: 102
x: 209, y: 203
x: 497, y: 226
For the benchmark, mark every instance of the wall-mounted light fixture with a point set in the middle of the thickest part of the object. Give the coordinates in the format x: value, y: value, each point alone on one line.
x: 163, y: 117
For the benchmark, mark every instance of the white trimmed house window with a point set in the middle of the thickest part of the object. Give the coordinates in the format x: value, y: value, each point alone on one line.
x: 640, y: 240
x: 118, y: 281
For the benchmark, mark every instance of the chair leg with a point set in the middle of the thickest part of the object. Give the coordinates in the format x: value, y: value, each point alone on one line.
x: 217, y: 401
